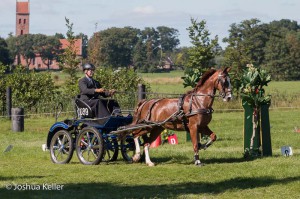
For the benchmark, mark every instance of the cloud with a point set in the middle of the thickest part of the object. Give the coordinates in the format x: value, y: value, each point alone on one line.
x: 144, y: 10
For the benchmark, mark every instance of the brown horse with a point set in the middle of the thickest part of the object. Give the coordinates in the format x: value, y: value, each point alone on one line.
x: 192, y: 112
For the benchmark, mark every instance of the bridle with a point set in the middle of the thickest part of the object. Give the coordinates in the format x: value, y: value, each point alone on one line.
x: 223, y: 79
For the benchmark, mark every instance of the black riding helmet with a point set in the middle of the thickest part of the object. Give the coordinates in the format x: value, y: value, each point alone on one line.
x: 88, y: 66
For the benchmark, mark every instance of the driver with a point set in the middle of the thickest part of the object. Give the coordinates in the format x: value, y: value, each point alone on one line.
x: 90, y: 90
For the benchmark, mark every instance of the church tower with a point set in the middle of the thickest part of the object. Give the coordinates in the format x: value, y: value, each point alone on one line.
x: 22, y: 17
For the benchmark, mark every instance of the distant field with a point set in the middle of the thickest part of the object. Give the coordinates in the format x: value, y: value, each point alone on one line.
x: 172, y: 82
x: 284, y: 93
x: 166, y: 82
x: 285, y: 87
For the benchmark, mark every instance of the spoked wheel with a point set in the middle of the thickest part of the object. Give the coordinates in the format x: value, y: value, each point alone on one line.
x: 89, y: 146
x: 127, y: 148
x: 111, y: 150
x: 61, y: 147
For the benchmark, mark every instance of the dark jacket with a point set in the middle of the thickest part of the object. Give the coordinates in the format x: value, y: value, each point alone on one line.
x: 87, y: 89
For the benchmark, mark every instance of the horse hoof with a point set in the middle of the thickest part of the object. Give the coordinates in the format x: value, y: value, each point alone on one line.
x: 198, y: 163
x: 151, y: 164
x: 136, y: 158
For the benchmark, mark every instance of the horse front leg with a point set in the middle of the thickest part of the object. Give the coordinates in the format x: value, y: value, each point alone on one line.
x: 212, y: 135
x: 195, y: 140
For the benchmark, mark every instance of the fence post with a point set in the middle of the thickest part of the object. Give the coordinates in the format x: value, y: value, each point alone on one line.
x: 141, y: 92
x: 17, y: 119
x: 8, y: 101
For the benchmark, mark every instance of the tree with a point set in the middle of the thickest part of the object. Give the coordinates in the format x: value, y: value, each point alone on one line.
x: 168, y: 38
x: 151, y: 39
x: 123, y: 80
x: 4, y: 52
x: 48, y: 47
x: 246, y: 44
x: 282, y: 50
x: 84, y: 44
x: 25, y: 46
x: 12, y: 47
x: 117, y: 47
x: 181, y: 57
x: 29, y: 87
x: 113, y: 47
x: 70, y: 62
x: 139, y: 55
x: 59, y: 36
x: 204, y: 48
x: 200, y: 54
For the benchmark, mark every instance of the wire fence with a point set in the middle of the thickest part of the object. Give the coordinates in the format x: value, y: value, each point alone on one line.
x: 127, y: 101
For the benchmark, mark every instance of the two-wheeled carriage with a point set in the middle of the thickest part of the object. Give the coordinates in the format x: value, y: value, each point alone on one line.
x: 90, y: 137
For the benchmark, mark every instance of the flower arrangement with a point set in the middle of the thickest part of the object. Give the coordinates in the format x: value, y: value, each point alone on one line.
x: 253, y: 95
x: 252, y: 83
x: 165, y: 134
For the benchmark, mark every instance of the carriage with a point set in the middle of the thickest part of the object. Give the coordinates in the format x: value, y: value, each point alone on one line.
x: 91, y: 137
x: 96, y: 140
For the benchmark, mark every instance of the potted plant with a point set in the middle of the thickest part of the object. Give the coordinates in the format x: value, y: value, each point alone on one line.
x: 257, y: 139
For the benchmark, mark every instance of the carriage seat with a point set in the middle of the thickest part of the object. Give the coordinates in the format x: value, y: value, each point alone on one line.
x: 83, y: 110
x: 108, y: 107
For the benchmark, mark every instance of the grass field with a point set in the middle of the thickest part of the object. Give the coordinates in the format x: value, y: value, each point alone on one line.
x: 226, y: 173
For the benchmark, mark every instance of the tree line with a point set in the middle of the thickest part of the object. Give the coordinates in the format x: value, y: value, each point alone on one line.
x: 274, y: 46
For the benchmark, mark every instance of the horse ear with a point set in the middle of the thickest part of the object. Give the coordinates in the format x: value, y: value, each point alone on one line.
x: 226, y: 70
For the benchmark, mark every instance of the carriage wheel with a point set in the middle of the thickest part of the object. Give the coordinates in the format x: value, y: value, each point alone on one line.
x: 61, y: 147
x: 89, y: 146
x: 111, y: 149
x: 127, y: 148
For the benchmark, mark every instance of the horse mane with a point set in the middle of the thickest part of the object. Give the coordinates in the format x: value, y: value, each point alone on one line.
x: 205, y: 77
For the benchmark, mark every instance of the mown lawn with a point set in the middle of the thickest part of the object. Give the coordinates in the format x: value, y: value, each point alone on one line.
x: 226, y: 173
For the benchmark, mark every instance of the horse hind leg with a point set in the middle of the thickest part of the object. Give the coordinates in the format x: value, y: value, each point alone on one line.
x: 154, y: 133
x: 147, y: 156
x: 137, y: 156
x: 212, y: 135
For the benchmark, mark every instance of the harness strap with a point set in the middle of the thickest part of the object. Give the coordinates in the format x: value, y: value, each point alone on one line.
x: 140, y: 112
x: 147, y: 119
x: 202, y: 111
x: 184, y: 117
x: 190, y: 103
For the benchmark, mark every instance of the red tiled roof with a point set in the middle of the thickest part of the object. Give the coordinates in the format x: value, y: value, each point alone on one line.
x: 78, y: 45
x: 23, y: 7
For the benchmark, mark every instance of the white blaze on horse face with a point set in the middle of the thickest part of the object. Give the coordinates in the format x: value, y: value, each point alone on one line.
x: 229, y: 91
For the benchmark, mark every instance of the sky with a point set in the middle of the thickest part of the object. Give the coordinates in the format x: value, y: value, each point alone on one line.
x: 89, y: 16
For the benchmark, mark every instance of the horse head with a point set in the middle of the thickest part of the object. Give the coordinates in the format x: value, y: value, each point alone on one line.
x: 223, y: 84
